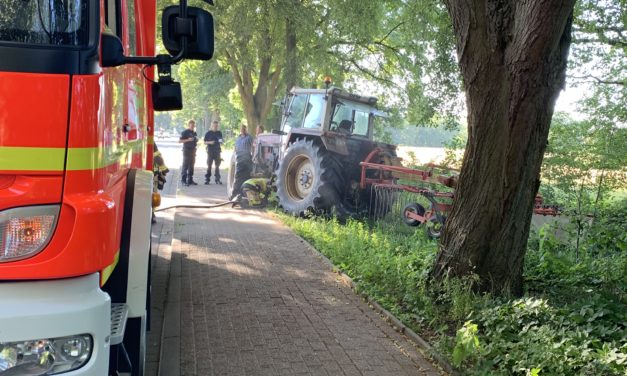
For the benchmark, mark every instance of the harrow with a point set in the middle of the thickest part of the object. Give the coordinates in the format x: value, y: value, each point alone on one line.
x: 433, y: 182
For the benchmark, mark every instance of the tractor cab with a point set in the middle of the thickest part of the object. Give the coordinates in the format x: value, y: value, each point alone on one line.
x: 333, y: 110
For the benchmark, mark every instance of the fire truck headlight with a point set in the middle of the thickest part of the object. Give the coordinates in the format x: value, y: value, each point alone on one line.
x: 26, y: 231
x: 45, y: 356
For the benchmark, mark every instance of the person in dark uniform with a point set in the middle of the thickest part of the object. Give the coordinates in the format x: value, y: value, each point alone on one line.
x: 243, y: 160
x: 213, y: 139
x: 189, y: 139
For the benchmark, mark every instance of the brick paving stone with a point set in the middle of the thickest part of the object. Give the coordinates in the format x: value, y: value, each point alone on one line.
x: 253, y: 299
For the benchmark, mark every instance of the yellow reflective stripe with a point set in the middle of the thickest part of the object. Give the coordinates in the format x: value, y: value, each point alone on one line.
x: 106, y: 272
x: 137, y: 146
x: 85, y: 159
x: 151, y: 140
x: 52, y: 159
x: 94, y: 158
x: 28, y: 159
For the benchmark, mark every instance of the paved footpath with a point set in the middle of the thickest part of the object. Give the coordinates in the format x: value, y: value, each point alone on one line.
x: 235, y: 292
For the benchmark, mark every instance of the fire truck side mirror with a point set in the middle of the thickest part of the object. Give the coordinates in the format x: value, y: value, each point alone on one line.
x: 112, y: 52
x: 197, y: 27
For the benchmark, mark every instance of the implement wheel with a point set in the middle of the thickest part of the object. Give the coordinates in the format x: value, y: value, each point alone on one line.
x: 414, y: 209
x: 435, y: 226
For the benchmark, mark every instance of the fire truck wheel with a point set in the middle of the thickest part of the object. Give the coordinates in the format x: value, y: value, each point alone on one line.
x: 307, y: 180
x: 230, y: 177
x: 435, y: 226
x: 414, y: 209
x: 135, y: 344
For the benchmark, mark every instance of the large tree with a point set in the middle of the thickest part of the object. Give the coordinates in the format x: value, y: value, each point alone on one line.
x: 512, y: 55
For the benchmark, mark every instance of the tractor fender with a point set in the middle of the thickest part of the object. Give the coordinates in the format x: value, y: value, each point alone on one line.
x: 333, y: 142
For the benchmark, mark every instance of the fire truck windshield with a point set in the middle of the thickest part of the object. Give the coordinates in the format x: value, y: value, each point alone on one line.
x: 44, y: 22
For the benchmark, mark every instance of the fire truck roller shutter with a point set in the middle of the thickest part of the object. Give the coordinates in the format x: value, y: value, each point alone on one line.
x: 139, y: 254
x: 130, y: 281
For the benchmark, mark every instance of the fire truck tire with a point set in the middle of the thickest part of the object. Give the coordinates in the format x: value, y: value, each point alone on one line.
x: 435, y: 226
x: 415, y: 209
x: 308, y: 180
x: 230, y: 177
x: 135, y: 344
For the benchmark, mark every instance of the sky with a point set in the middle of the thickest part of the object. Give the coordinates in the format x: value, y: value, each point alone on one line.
x: 567, y: 101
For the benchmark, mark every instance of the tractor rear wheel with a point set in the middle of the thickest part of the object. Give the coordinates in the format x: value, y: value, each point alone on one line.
x: 308, y: 180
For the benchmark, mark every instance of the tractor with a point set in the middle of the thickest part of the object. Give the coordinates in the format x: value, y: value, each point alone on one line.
x: 314, y: 159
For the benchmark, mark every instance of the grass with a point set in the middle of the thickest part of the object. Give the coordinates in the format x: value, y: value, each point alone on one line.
x: 571, y: 321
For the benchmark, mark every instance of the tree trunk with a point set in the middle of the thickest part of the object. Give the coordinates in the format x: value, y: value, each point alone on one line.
x: 291, y: 59
x: 512, y: 56
x: 257, y: 101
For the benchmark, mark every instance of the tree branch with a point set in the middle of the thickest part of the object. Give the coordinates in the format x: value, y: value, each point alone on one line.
x: 599, y: 80
x: 369, y: 73
x: 610, y: 41
x: 235, y: 70
x: 389, y: 32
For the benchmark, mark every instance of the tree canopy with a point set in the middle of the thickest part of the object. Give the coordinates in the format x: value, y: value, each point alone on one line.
x: 399, y: 50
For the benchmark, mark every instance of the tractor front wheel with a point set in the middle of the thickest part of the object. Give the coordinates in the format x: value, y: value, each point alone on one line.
x: 307, y: 180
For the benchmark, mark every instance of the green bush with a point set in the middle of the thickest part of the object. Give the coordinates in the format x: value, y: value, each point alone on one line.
x: 572, y: 320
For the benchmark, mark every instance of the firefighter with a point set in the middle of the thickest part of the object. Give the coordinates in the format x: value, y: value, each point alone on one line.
x: 189, y: 139
x: 159, y: 171
x: 255, y: 192
x: 213, y: 139
x: 243, y: 160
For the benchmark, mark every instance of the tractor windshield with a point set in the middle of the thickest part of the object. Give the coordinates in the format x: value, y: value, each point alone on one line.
x: 305, y: 111
x: 44, y: 22
x: 351, y: 118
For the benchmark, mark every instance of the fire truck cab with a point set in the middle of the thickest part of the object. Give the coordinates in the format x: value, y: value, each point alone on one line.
x: 77, y: 93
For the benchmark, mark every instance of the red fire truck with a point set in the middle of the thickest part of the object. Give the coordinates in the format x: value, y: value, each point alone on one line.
x: 77, y: 93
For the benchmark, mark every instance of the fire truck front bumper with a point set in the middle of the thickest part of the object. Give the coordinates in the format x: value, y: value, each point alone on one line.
x: 54, y: 326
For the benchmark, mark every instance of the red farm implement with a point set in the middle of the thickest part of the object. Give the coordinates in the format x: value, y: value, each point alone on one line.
x: 421, y: 195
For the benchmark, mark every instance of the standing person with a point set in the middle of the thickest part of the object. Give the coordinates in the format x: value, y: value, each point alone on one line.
x: 243, y: 160
x: 213, y: 139
x: 189, y: 139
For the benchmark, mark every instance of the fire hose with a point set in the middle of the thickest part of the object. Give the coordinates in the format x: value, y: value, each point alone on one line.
x: 198, y: 206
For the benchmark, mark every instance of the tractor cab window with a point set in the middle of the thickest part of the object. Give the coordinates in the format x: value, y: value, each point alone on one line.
x: 295, y: 113
x: 46, y: 22
x: 351, y: 118
x: 313, y: 113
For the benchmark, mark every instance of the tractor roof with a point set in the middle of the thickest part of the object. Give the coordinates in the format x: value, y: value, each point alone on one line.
x: 336, y: 92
